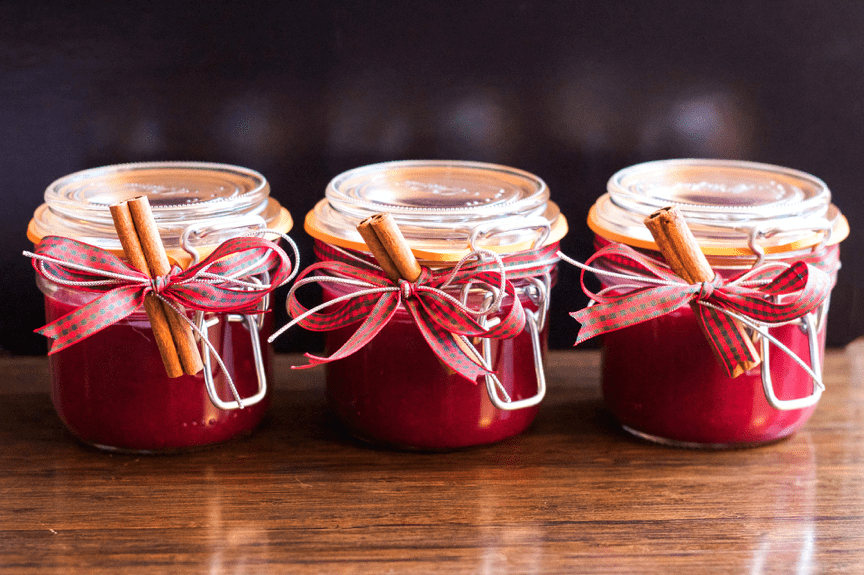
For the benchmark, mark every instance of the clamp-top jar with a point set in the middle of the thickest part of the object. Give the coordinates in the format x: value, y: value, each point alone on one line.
x: 395, y: 391
x: 660, y: 378
x: 111, y: 389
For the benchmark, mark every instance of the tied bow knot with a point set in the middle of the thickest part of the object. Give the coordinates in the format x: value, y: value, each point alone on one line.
x: 707, y: 288
x: 645, y: 289
x: 409, y: 289
x: 371, y: 299
x: 159, y: 283
x: 223, y: 282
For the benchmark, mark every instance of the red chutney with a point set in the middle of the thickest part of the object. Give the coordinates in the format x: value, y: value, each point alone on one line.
x: 660, y: 379
x: 111, y: 390
x: 396, y: 392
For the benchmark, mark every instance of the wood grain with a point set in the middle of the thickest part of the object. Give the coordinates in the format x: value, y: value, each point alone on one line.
x: 572, y: 494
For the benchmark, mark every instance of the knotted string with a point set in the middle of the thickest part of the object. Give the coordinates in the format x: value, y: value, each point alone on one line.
x: 224, y: 282
x: 440, y: 317
x: 651, y: 289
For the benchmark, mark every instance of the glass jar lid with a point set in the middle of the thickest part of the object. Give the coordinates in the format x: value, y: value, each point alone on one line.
x: 441, y: 207
x: 213, y: 201
x: 726, y: 203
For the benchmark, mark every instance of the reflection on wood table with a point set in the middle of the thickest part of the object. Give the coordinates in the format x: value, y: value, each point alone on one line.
x: 572, y: 494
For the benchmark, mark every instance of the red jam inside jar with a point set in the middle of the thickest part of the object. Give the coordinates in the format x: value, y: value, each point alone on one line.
x: 110, y: 389
x: 660, y: 378
x: 395, y: 391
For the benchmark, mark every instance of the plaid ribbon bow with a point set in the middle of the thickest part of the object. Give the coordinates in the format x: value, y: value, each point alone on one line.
x: 650, y: 289
x: 220, y: 283
x: 440, y: 317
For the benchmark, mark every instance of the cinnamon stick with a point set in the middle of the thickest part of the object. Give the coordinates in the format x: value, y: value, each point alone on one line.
x: 158, y: 265
x: 681, y: 251
x: 389, y: 240
x: 157, y: 261
x: 379, y: 252
x: 152, y: 305
x: 393, y: 254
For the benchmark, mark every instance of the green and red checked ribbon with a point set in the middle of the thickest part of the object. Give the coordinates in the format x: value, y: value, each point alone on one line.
x: 646, y: 289
x: 374, y: 299
x: 221, y: 283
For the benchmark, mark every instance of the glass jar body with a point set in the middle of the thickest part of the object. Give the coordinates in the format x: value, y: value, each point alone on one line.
x: 111, y: 390
x: 661, y: 381
x: 395, y: 392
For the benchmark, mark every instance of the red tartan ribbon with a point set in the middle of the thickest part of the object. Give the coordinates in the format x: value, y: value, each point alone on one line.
x: 650, y: 289
x: 440, y: 317
x: 220, y: 283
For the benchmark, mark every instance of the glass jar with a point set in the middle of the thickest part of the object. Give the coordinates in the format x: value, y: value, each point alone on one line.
x: 111, y: 389
x: 660, y: 378
x: 395, y: 391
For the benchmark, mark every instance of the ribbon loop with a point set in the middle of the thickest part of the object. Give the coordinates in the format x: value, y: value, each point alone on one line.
x: 221, y: 283
x: 440, y: 317
x: 647, y: 289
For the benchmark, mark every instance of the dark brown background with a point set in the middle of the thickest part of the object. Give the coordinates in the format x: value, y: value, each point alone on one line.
x: 571, y: 91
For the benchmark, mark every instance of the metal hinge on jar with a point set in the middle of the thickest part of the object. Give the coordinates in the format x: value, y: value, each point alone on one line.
x: 537, y: 290
x: 253, y: 322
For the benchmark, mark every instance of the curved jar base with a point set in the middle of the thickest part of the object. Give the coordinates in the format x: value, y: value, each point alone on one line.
x: 423, y: 410
x: 111, y: 392
x: 168, y: 451
x: 662, y: 383
x: 381, y: 443
x: 703, y: 446
x: 395, y: 392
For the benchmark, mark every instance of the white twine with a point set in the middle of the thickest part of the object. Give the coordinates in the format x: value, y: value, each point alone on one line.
x: 201, y: 275
x: 373, y: 289
x: 743, y: 280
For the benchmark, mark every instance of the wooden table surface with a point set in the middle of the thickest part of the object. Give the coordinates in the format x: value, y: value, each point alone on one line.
x: 572, y: 494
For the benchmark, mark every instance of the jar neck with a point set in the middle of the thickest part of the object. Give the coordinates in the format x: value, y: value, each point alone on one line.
x: 826, y: 259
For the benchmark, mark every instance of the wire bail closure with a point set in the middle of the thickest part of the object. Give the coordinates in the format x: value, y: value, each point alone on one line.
x: 538, y: 292
x: 253, y: 322
x: 809, y: 326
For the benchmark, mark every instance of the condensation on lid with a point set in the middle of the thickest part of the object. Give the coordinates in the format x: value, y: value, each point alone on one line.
x: 723, y: 201
x: 438, y: 204
x: 209, y: 195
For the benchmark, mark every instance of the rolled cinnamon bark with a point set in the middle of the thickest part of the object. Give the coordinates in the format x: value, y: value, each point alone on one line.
x: 394, y: 255
x: 379, y: 252
x: 158, y: 264
x: 681, y: 251
x: 152, y: 305
x: 388, y: 245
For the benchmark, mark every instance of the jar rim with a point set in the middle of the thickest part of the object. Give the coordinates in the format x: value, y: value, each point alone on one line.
x: 729, y: 205
x: 211, y: 196
x: 440, y: 205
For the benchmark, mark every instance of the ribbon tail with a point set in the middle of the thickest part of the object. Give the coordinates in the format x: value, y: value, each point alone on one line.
x: 725, y: 338
x: 91, y: 318
x: 445, y: 346
x: 638, y: 307
x: 379, y: 316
